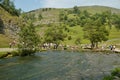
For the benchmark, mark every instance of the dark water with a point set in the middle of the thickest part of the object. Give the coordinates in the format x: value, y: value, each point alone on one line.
x: 59, y: 65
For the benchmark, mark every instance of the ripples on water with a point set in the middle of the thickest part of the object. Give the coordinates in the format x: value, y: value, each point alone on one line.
x: 59, y: 65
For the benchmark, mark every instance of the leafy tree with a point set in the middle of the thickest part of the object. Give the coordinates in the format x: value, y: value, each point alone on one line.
x: 76, y: 10
x: 115, y: 75
x: 40, y: 17
x: 55, y: 35
x: 28, y: 40
x: 95, y: 31
x: 77, y: 41
x: 10, y: 7
x: 116, y: 21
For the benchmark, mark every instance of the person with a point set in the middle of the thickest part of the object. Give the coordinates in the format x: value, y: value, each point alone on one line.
x: 111, y: 47
x: 114, y: 48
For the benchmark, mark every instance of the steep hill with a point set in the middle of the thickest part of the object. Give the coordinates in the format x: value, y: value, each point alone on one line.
x: 9, y: 27
x: 51, y: 15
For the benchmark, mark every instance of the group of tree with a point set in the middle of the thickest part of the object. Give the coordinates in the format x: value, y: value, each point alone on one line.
x: 94, y: 25
x: 9, y: 6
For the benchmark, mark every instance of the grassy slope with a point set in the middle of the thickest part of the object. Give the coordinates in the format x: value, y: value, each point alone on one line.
x: 52, y: 15
x: 6, y: 17
x: 4, y: 41
x: 76, y: 31
x: 99, y: 9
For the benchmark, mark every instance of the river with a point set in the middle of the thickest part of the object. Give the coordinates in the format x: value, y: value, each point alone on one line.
x: 59, y: 65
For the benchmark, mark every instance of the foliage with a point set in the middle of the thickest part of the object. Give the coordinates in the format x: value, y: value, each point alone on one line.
x: 10, y: 7
x: 116, y: 72
x: 76, y: 10
x: 116, y: 21
x: 95, y: 31
x: 77, y: 41
x: 69, y: 37
x: 40, y: 17
x: 30, y: 17
x: 55, y: 35
x: 28, y: 40
x: 3, y: 54
x: 115, y: 75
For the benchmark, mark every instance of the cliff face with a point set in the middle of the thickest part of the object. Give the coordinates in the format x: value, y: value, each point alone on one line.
x: 9, y: 25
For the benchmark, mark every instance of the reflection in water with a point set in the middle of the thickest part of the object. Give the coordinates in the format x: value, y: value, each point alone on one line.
x: 59, y: 66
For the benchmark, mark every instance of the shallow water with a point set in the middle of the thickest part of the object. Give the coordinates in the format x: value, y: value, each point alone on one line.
x: 59, y: 65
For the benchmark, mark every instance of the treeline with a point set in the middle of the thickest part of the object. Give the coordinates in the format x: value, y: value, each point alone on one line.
x: 10, y: 7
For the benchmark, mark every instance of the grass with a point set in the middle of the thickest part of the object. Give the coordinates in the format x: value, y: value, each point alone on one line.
x: 4, y: 41
x: 3, y: 54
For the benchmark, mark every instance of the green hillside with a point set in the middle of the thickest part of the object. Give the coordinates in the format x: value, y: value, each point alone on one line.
x: 8, y: 27
x: 51, y: 16
x: 46, y: 17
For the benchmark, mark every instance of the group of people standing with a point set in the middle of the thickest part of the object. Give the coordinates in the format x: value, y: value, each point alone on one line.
x: 112, y: 47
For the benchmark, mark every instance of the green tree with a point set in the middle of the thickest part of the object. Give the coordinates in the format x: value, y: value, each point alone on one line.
x: 28, y: 40
x: 55, y: 35
x: 40, y: 17
x: 78, y: 41
x: 115, y: 75
x: 95, y: 31
x: 116, y: 21
x: 9, y: 6
x: 76, y: 10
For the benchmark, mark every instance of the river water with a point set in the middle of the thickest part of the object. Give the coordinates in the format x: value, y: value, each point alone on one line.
x: 59, y: 65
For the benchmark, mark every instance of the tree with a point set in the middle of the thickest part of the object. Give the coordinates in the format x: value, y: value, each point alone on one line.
x: 95, y: 31
x: 40, y: 17
x: 76, y: 10
x: 28, y: 40
x: 9, y: 6
x: 116, y: 21
x: 55, y: 35
x: 78, y: 41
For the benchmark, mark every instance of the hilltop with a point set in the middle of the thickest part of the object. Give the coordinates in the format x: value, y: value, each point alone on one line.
x: 51, y: 15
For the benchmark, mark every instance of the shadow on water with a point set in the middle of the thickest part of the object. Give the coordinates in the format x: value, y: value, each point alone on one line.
x: 59, y: 65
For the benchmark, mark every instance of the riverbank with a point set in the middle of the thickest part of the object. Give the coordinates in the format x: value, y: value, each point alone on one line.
x: 11, y: 52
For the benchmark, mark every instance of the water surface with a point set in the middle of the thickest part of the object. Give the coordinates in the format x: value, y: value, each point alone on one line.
x: 59, y: 65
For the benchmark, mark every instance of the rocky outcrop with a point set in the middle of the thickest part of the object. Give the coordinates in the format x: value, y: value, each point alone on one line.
x: 9, y: 25
x: 1, y: 26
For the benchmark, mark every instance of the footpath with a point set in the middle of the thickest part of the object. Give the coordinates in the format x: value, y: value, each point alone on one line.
x: 7, y: 49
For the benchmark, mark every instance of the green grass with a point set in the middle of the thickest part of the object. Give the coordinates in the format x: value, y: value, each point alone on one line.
x: 4, y: 41
x: 114, y: 33
x: 77, y: 32
x: 3, y: 54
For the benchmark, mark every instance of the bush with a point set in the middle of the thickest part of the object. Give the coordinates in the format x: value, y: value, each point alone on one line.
x: 15, y: 53
x: 2, y: 55
x: 69, y: 37
x: 116, y: 72
x: 115, y: 75
x: 26, y: 52
x: 108, y: 78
